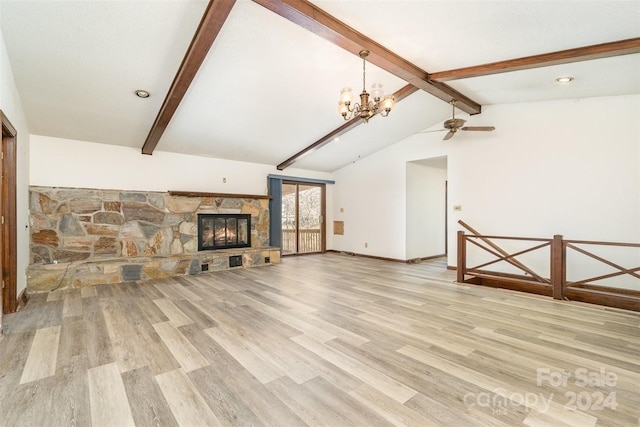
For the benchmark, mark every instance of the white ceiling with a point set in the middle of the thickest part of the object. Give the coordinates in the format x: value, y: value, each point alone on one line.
x: 269, y: 88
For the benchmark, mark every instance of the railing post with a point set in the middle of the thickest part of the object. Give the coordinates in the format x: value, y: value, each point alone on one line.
x: 461, y: 267
x: 557, y: 267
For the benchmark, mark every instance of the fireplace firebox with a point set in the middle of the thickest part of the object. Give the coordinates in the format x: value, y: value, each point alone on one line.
x: 224, y: 231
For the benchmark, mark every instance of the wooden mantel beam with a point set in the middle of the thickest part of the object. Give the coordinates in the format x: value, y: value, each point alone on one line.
x: 316, y: 20
x: 214, y: 17
x: 586, y: 53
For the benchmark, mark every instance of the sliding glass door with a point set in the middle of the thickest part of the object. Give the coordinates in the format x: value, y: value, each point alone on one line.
x: 303, y: 211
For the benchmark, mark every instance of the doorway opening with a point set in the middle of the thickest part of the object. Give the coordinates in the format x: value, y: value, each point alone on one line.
x: 426, y: 221
x: 303, y: 213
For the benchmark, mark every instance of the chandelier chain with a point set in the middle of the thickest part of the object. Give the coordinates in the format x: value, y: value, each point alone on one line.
x: 364, y: 70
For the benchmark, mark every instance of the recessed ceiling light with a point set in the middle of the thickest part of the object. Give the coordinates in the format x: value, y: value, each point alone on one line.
x: 336, y: 139
x: 142, y: 93
x: 566, y: 79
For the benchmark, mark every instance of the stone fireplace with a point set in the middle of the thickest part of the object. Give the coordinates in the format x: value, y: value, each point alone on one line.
x: 224, y: 231
x: 83, y: 237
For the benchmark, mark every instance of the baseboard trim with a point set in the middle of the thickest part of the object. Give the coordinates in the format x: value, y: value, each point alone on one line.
x: 403, y: 261
x: 367, y: 256
x: 425, y: 258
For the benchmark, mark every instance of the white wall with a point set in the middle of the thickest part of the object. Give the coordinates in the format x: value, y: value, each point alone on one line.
x: 12, y: 108
x: 372, y: 195
x: 70, y: 163
x: 568, y: 167
x: 425, y: 211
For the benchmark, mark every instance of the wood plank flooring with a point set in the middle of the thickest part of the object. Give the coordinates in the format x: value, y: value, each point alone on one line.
x: 323, y: 340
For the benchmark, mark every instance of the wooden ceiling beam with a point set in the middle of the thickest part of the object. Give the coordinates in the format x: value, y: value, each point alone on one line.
x: 586, y: 53
x: 212, y: 21
x: 398, y: 95
x: 316, y: 20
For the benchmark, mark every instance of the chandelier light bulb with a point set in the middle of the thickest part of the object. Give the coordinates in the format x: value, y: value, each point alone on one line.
x: 343, y: 109
x: 346, y: 95
x: 388, y: 103
x: 377, y: 92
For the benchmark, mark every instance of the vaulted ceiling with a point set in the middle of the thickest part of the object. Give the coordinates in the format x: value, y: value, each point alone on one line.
x: 268, y: 85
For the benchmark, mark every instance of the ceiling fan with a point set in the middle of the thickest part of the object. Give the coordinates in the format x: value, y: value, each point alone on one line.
x: 453, y: 125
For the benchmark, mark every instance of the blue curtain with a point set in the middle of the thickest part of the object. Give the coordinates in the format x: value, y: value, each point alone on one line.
x: 275, y: 212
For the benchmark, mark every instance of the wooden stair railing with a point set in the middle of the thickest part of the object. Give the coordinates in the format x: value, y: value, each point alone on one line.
x: 556, y: 285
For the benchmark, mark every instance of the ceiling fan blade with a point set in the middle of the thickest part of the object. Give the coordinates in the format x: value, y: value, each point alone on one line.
x: 484, y: 128
x: 448, y: 135
x: 429, y: 131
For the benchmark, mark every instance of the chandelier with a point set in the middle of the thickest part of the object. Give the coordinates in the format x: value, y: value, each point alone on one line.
x: 366, y: 108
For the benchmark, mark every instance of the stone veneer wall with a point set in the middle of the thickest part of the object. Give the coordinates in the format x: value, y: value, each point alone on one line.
x: 82, y: 237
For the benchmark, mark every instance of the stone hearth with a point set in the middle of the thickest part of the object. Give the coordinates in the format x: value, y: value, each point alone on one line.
x: 82, y: 237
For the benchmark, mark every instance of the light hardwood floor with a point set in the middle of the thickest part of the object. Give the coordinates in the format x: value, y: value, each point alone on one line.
x: 327, y: 340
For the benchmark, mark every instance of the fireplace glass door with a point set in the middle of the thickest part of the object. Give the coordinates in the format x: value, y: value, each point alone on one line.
x: 223, y: 231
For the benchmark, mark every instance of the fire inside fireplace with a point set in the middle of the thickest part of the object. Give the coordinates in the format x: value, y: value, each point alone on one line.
x: 224, y: 231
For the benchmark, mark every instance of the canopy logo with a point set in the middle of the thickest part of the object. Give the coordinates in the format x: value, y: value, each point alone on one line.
x: 500, y: 401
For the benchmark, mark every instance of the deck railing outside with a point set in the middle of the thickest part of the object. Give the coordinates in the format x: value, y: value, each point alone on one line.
x: 310, y: 241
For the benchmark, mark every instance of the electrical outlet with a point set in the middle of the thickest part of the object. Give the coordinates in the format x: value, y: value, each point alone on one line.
x: 366, y: 245
x: 224, y: 179
x: 457, y: 208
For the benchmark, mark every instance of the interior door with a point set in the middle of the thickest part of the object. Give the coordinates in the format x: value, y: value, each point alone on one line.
x: 303, y: 213
x: 8, y: 229
x: 2, y: 242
